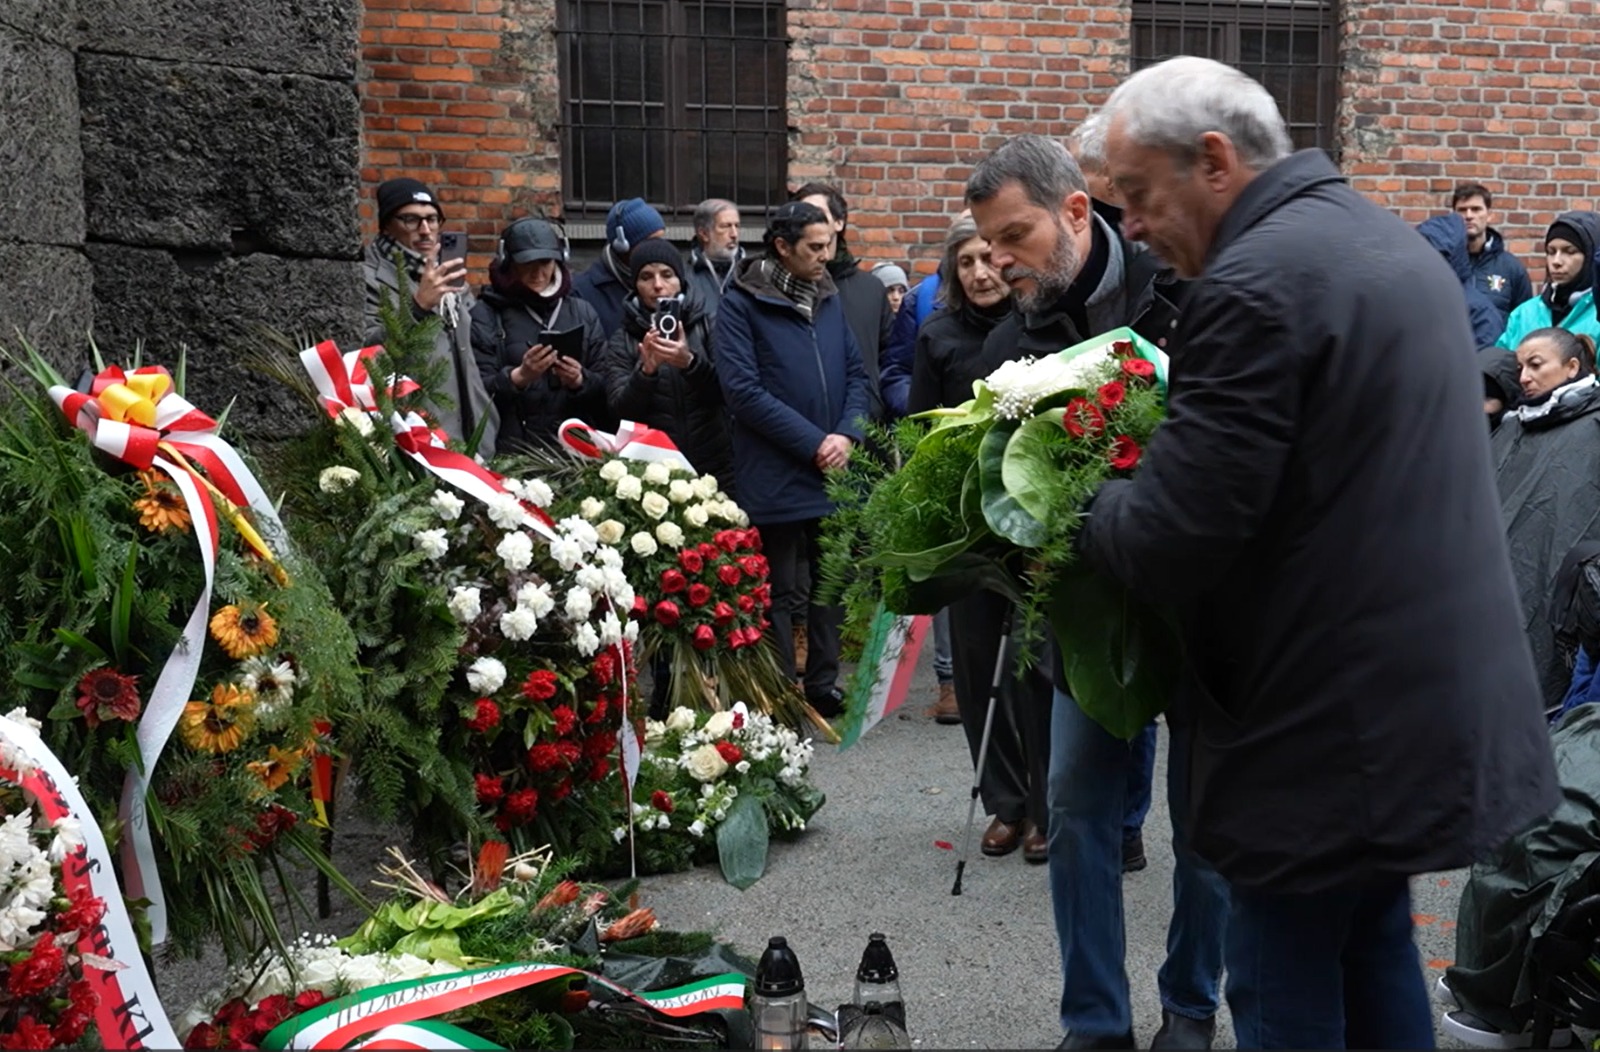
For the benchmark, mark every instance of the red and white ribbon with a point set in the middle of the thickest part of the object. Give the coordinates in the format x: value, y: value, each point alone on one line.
x: 633, y: 441
x: 129, y: 1014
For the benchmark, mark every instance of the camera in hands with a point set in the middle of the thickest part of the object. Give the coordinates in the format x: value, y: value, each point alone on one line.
x: 668, y: 318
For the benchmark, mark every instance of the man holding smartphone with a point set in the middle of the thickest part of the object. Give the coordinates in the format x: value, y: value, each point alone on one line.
x: 410, y: 236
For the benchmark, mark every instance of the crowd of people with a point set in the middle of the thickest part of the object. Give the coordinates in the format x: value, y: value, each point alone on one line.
x: 1364, y: 574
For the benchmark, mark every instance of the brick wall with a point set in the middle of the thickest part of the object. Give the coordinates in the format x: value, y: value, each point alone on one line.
x: 1475, y: 90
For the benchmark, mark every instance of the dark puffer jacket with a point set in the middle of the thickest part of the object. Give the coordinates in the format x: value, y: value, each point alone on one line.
x: 949, y: 355
x: 685, y: 403
x: 506, y: 321
x: 1448, y: 234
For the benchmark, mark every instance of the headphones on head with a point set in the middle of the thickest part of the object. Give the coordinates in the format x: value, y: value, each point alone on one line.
x: 620, y: 243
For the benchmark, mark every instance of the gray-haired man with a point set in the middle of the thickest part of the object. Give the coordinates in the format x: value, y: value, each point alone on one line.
x: 716, y: 253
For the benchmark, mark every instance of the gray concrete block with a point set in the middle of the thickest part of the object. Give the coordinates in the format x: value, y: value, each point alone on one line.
x: 45, y: 293
x: 287, y: 36
x: 54, y: 20
x: 212, y: 308
x: 41, y: 161
x: 205, y: 157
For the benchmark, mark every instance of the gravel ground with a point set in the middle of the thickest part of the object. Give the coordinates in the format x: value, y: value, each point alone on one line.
x: 979, y: 971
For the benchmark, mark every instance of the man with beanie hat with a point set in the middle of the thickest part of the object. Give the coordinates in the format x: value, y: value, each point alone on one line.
x: 606, y: 283
x: 409, y: 218
x: 1568, y: 297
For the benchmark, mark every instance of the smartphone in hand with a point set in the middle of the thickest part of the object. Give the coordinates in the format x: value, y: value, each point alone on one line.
x: 452, y: 246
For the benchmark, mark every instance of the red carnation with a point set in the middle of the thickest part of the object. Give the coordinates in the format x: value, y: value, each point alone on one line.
x: 699, y: 594
x: 564, y: 718
x: 81, y: 995
x: 486, y: 716
x: 722, y: 613
x: 747, y: 604
x: 73, y: 1024
x: 204, y: 1035
x: 270, y: 1012
x: 673, y: 581
x: 492, y: 789
x: 522, y: 805
x: 306, y: 1000
x: 1140, y: 367
x: 661, y: 800
x: 704, y: 637
x: 729, y: 575
x: 691, y: 560
x: 85, y: 912
x: 1083, y: 417
x: 569, y: 752
x: 28, y: 1033
x: 39, y: 971
x: 599, y: 744
x: 1125, y: 453
x: 605, y: 667
x: 540, y: 685
x: 641, y: 606
x: 667, y: 612
x: 562, y: 790
x: 598, y: 770
x: 106, y: 694
x: 599, y: 713
x: 1111, y: 394
x: 738, y: 719
x: 729, y: 752
x: 543, y: 757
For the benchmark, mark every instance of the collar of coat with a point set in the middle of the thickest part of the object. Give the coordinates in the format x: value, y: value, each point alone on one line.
x: 1269, y: 191
x: 1111, y: 281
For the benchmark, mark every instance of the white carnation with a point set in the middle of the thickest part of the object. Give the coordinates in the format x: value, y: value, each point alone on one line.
x: 679, y: 491
x: 610, y: 630
x: 580, y: 530
x: 631, y: 632
x: 654, y: 505
x: 612, y: 470
x: 610, y: 531
x: 350, y: 416
x: 337, y: 478
x: 591, y: 508
x: 68, y: 838
x: 591, y: 577
x: 670, y: 534
x: 657, y: 474
x: 538, y: 598
x: 697, y: 515
x: 447, y: 505
x: 609, y: 558
x: 587, y: 640
x: 566, y: 552
x: 505, y: 511
x: 518, y: 624
x: 516, y: 551
x: 643, y: 544
x: 486, y: 675
x: 538, y: 491
x: 432, y: 542
x: 629, y: 488
x: 579, y: 603
x: 466, y: 603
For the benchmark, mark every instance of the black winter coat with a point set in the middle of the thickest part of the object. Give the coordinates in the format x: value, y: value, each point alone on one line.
x: 1319, y: 509
x: 685, y: 403
x: 506, y: 321
x: 949, y: 356
x: 866, y: 308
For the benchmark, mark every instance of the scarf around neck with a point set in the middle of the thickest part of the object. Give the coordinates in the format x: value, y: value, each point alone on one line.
x: 803, y: 293
x: 413, y: 263
x: 1556, y: 407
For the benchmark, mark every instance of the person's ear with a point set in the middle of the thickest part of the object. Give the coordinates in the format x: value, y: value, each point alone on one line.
x: 1218, y: 160
x: 1574, y: 367
x: 1076, y: 209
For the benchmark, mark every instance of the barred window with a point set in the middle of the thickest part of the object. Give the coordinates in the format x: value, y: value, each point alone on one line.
x: 1291, y: 46
x: 673, y: 101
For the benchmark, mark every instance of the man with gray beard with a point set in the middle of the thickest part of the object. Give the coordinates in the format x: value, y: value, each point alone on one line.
x: 1076, y: 277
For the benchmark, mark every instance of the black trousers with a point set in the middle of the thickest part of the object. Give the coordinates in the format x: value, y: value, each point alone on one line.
x: 1016, y: 770
x: 793, y: 556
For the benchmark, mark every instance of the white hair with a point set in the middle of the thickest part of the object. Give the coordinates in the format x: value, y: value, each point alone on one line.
x: 1088, y: 143
x: 1170, y: 105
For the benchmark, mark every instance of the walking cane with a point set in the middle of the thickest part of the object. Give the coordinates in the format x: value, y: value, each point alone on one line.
x: 983, y: 745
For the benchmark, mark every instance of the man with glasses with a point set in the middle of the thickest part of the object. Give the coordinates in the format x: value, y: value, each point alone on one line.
x: 409, y: 221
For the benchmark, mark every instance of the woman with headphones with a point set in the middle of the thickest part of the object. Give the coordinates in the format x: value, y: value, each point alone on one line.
x: 537, y: 344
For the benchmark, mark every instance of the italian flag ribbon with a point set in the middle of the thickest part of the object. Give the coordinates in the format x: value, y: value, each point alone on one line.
x: 633, y: 441
x: 129, y: 1013
x: 397, y: 1015
x: 883, y: 675
x: 139, y: 418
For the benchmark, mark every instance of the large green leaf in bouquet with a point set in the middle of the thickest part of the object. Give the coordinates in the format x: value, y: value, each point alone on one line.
x: 1120, y: 655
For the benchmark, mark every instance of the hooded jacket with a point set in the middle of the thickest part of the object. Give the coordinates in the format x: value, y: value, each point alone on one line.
x: 788, y: 383
x: 685, y: 403
x: 1319, y: 512
x: 469, y: 404
x: 601, y: 287
x: 507, y: 320
x: 1580, y: 317
x: 1448, y: 235
x: 1499, y: 275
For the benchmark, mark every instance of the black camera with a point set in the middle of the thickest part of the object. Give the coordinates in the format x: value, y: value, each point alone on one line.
x: 668, y: 318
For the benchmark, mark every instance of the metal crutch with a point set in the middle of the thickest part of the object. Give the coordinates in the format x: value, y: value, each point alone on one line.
x: 983, y: 745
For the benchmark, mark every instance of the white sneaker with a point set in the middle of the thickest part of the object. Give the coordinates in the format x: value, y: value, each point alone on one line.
x: 1443, y: 994
x: 1469, y: 1029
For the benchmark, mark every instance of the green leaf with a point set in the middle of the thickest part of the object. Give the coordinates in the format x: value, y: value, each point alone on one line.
x: 77, y: 642
x: 122, y: 608
x: 742, y: 842
x: 1120, y: 655
x: 1029, y: 470
x: 1001, y: 511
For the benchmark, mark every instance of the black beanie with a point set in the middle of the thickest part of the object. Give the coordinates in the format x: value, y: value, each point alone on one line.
x: 657, y: 250
x: 1566, y: 232
x: 395, y: 194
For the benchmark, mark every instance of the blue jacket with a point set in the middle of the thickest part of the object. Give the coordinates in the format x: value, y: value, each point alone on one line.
x: 599, y: 287
x: 788, y: 383
x: 1585, y: 688
x: 1500, y: 276
x: 894, y: 383
x: 1448, y: 234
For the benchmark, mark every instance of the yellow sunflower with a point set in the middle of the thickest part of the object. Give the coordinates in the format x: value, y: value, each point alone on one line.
x: 161, y: 508
x: 221, y: 724
x: 278, y: 767
x: 244, y: 631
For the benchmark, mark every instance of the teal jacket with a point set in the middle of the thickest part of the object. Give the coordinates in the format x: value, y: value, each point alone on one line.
x: 1535, y: 314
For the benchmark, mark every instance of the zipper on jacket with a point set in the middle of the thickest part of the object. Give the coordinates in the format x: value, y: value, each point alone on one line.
x: 822, y: 373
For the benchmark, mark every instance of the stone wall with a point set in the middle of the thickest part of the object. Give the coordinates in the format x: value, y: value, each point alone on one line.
x: 191, y: 172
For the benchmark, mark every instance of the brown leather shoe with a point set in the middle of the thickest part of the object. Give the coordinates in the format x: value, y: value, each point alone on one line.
x: 1035, y: 844
x: 802, y: 644
x: 1001, y: 838
x: 945, y: 710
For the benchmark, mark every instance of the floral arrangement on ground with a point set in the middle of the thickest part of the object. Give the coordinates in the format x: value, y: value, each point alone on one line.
x: 990, y: 497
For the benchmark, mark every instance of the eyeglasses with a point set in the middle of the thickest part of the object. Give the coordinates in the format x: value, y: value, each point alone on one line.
x: 411, y: 221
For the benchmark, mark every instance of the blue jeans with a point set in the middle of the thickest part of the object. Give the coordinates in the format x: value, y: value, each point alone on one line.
x: 1089, y: 800
x: 944, y: 664
x: 1333, y: 969
x: 1141, y: 777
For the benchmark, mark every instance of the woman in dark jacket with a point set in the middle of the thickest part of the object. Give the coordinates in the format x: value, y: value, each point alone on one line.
x: 668, y: 384
x: 950, y: 343
x: 528, y: 295
x: 1546, y: 459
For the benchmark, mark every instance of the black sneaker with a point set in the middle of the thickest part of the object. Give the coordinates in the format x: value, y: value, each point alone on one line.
x: 828, y: 704
x: 1133, y: 859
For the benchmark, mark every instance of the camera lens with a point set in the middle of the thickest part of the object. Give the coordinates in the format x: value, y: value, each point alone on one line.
x: 667, y: 325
